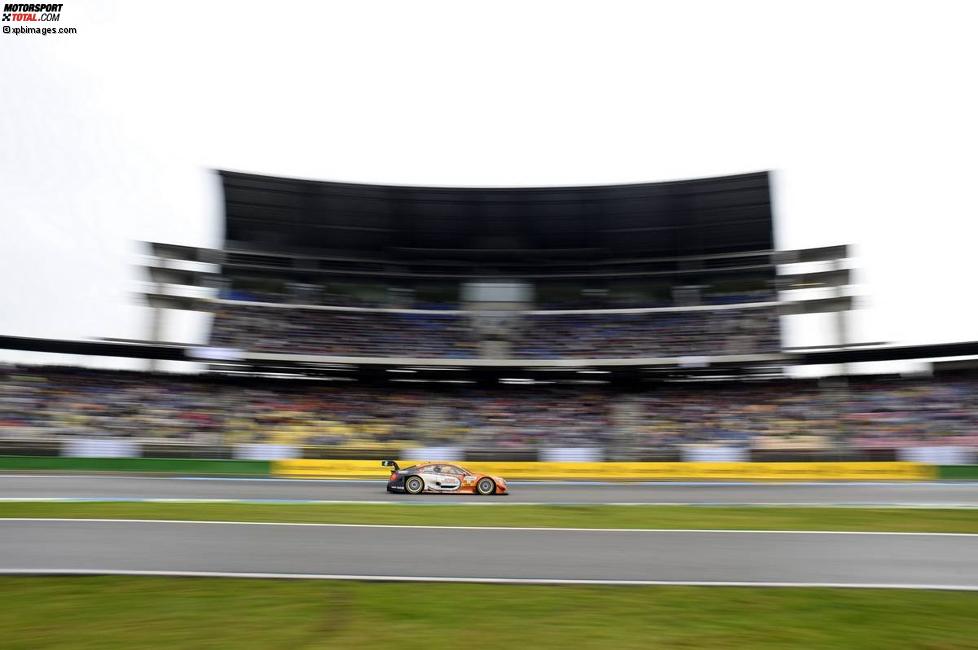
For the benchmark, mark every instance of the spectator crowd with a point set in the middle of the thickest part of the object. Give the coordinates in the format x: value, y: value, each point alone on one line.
x: 343, y: 333
x: 656, y: 334
x: 538, y: 336
x: 62, y: 403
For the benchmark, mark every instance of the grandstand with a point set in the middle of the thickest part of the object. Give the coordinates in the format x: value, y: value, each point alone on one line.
x: 636, y: 321
x: 189, y: 415
x: 633, y: 321
x: 492, y: 277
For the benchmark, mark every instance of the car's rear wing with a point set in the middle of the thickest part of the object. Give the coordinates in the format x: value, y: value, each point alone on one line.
x: 390, y: 463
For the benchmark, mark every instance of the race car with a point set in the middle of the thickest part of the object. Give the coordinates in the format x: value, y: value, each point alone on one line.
x: 441, y: 478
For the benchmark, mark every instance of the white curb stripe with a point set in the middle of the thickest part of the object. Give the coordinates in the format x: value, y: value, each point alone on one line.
x: 481, y: 528
x: 518, y: 581
x: 422, y: 503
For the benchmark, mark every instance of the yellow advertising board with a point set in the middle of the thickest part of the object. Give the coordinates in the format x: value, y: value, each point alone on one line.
x: 314, y: 468
x: 612, y: 471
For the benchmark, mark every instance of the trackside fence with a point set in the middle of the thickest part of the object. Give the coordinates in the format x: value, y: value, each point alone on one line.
x: 517, y: 470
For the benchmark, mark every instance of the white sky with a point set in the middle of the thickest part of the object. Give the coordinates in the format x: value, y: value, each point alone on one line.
x: 867, y: 112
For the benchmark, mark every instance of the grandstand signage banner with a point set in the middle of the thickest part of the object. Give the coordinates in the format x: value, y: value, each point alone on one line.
x: 100, y: 448
x: 939, y: 455
x: 834, y: 471
x: 265, y: 452
x: 715, y: 454
x: 441, y: 453
x: 572, y: 454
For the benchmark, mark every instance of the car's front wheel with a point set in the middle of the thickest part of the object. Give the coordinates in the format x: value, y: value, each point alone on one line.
x: 485, y: 486
x: 414, y: 485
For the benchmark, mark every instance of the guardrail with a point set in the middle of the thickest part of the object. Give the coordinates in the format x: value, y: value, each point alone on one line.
x: 624, y: 471
x: 733, y: 471
x: 182, y: 466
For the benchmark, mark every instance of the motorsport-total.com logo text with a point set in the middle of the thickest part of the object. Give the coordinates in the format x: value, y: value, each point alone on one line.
x: 28, y: 13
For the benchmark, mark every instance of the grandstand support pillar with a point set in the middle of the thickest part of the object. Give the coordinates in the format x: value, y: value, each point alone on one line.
x: 841, y: 390
x: 156, y: 319
x: 155, y: 334
x: 841, y: 321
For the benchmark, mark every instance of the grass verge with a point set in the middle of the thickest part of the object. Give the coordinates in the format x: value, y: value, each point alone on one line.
x: 138, y: 612
x: 543, y: 516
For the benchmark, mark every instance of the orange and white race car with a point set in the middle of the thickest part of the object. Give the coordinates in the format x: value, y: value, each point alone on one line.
x: 441, y: 478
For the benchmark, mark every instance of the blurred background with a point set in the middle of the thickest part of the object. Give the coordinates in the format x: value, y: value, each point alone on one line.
x: 110, y: 137
x: 117, y: 227
x: 263, y: 241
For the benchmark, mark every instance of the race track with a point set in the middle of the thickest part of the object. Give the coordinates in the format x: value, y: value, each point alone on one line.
x: 28, y: 486
x: 493, y: 554
x: 710, y: 557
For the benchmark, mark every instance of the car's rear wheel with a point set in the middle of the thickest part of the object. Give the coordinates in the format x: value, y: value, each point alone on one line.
x: 485, y: 486
x: 414, y: 485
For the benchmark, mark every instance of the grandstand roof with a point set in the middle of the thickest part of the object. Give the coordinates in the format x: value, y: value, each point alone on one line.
x: 189, y: 352
x: 670, y: 219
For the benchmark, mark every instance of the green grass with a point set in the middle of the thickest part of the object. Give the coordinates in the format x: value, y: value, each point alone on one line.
x: 587, y: 516
x: 131, y: 613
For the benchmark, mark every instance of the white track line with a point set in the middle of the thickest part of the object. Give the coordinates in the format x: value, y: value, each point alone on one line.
x: 407, y: 502
x: 519, y: 482
x: 517, y: 581
x: 480, y: 528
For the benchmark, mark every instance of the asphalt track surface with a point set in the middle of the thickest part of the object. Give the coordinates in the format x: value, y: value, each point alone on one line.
x: 47, y: 486
x: 474, y: 554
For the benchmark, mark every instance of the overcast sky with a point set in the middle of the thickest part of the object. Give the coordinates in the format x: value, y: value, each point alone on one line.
x: 866, y: 111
